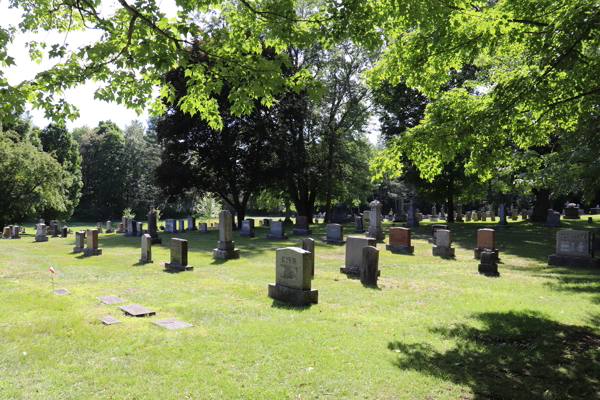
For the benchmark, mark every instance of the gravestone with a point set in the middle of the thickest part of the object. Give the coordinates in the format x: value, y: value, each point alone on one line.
x: 170, y: 225
x: 121, y: 228
x: 131, y: 228
x: 340, y: 214
x: 434, y: 229
x: 293, y: 277
x: 486, y: 241
x: 7, y: 232
x: 335, y: 234
x: 459, y: 217
x: 226, y: 246
x: 553, y: 220
x: 99, y: 227
x: 574, y: 249
x: 146, y: 245
x: 487, y: 263
x: 514, y: 214
x: 484, y: 216
x: 375, y: 230
x: 502, y: 223
x: 140, y: 229
x: 79, y: 241
x: 595, y: 210
x: 590, y: 220
x: 493, y: 215
x: 443, y: 241
x: 109, y: 228
x: 181, y: 226
x: 367, y: 216
x: 108, y: 320
x: 179, y: 256
x: 369, y: 266
x: 277, y: 230
x: 267, y: 222
x: 137, y: 310
x: 125, y: 221
x: 468, y: 216
x: 246, y: 230
x: 400, y: 241
x: 203, y: 227
x: 172, y: 323
x: 308, y: 244
x: 524, y: 215
x: 433, y: 210
x: 55, y: 229
x: 192, y: 224
x: 302, y: 226
x: 353, y: 259
x: 152, y: 227
x: 413, y: 221
x: 92, y: 243
x: 64, y: 231
x: 359, y: 225
x: 41, y: 235
x: 15, y: 232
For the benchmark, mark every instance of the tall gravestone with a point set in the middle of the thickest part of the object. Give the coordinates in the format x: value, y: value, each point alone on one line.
x: 192, y: 224
x: 353, y: 259
x: 41, y: 235
x: 125, y: 221
x: 375, y: 230
x: 293, y: 277
x: 359, y: 225
x: 79, y: 241
x: 109, y: 228
x: 277, y: 231
x: 64, y: 231
x: 574, y: 249
x: 412, y: 222
x: 369, y: 266
x: 308, y: 244
x: 400, y: 215
x: 179, y: 256
x: 246, y: 230
x: 443, y: 244
x: 486, y: 241
x: 459, y: 217
x: 131, y: 228
x: 92, y: 244
x: 226, y: 246
x: 152, y: 227
x: 181, y: 226
x: 335, y: 234
x: 99, y: 227
x: 140, y: 229
x: 502, y: 223
x: 55, y: 229
x: 301, y: 226
x: 146, y: 249
x: 400, y: 241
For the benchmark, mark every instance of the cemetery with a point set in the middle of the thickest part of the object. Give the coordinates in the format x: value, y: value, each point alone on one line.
x: 341, y: 199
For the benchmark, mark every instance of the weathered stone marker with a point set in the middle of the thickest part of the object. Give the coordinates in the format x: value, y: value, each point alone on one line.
x: 359, y: 225
x: 459, y: 216
x: 146, y: 256
x: 181, y: 226
x: 301, y: 226
x: 277, y: 230
x: 192, y: 224
x: 41, y: 235
x: 99, y: 227
x: 308, y: 244
x: 502, y: 223
x: 574, y: 249
x: 125, y: 221
x: 443, y: 242
x: 225, y: 246
x: 179, y: 256
x: 553, y: 220
x: 79, y: 242
x: 203, y: 227
x: 434, y: 229
x: 172, y: 323
x: 488, y: 265
x: 486, y: 241
x: 400, y: 241
x: 7, y: 232
x: 413, y: 221
x: 246, y: 230
x: 335, y: 234
x: 171, y: 225
x: 367, y: 216
x: 369, y: 266
x: 121, y: 228
x: 353, y: 259
x: 109, y: 228
x: 137, y: 310
x: 92, y: 244
x: 293, y: 277
x: 267, y: 222
x: 131, y: 228
x: 152, y: 227
x: 64, y: 231
x: 375, y: 230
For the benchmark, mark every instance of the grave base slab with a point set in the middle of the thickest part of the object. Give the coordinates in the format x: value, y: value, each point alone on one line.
x: 477, y: 253
x: 146, y: 261
x: 293, y: 296
x: 443, y: 251
x: 177, y: 267
x: 399, y: 248
x: 333, y: 241
x: 77, y: 249
x: 137, y: 310
x: 41, y: 238
x: 302, y: 231
x: 488, y: 269
x: 226, y: 254
x: 92, y: 252
x: 571, y: 261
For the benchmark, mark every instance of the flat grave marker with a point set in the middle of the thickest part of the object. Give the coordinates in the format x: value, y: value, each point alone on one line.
x: 137, y: 310
x: 61, y: 291
x: 111, y: 299
x: 172, y: 323
x: 109, y: 320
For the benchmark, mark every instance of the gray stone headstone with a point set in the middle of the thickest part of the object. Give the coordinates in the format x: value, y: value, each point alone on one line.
x: 92, y: 243
x: 125, y: 221
x: 369, y: 266
x: 181, y: 226
x: 413, y: 221
x: 301, y: 226
x: 226, y: 246
x: 293, y: 277
x: 170, y: 225
x: 192, y: 224
x: 443, y: 248
x: 502, y: 217
x: 172, y: 323
x: 146, y: 249
x: 553, y: 220
x: 203, y: 227
x: 277, y: 230
x: 308, y: 244
x: 109, y: 228
x: 179, y: 255
x: 335, y: 234
x: 152, y: 227
x: 99, y: 227
x: 79, y: 241
x: 359, y: 225
x: 246, y: 230
x: 375, y: 230
x: 41, y: 235
x: 575, y: 243
x: 353, y: 258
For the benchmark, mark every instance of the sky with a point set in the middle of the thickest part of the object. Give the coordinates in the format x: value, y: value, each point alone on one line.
x: 91, y: 111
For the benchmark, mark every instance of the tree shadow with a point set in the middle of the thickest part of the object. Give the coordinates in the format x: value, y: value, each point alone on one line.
x: 514, y: 355
x: 573, y: 280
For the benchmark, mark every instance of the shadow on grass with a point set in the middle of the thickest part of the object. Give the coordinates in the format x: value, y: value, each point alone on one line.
x: 573, y: 280
x: 515, y: 355
x: 287, y: 306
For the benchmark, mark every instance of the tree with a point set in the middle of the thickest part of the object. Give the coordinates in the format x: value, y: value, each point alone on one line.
x: 31, y: 180
x: 58, y: 142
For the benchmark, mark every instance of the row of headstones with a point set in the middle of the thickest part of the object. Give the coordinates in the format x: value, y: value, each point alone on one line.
x: 12, y: 232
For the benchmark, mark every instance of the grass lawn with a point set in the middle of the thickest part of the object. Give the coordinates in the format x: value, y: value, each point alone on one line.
x: 433, y: 329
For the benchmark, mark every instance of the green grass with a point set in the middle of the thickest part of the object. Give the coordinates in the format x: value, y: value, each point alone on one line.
x: 433, y: 329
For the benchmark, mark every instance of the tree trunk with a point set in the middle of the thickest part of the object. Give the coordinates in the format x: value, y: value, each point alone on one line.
x: 542, y: 203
